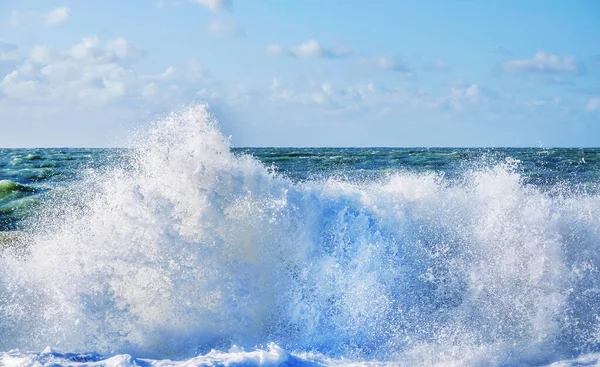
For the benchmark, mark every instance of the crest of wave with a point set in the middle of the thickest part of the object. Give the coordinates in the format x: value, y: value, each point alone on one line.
x: 190, y: 247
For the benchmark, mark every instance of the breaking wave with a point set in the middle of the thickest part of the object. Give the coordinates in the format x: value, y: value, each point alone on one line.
x: 190, y: 247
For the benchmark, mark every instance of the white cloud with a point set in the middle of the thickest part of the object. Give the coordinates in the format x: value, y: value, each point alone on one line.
x: 90, y: 71
x: 543, y: 62
x: 279, y: 93
x: 472, y: 92
x: 360, y: 92
x: 96, y: 73
x: 312, y: 48
x: 319, y: 98
x: 170, y: 71
x: 58, y: 16
x: 387, y: 63
x: 88, y: 48
x: 458, y: 96
x: 41, y: 54
x: 224, y: 27
x: 326, y: 96
x: 539, y: 102
x: 275, y: 50
x: 123, y: 49
x: 215, y: 4
x: 327, y: 88
x: 593, y: 104
x: 309, y: 49
x: 91, y: 48
x: 191, y: 71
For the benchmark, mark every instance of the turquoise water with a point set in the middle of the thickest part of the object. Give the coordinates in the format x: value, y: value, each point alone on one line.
x: 27, y: 176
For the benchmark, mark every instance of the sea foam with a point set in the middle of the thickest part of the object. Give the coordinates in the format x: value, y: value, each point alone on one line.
x: 190, y: 248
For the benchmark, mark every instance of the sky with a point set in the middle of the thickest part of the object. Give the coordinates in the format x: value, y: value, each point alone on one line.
x: 87, y: 73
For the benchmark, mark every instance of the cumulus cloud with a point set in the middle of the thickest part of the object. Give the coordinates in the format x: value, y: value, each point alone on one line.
x: 224, y: 28
x: 90, y: 71
x: 58, y: 16
x: 326, y: 96
x: 367, y: 97
x: 312, y: 48
x: 42, y: 54
x: 190, y: 71
x: 278, y: 92
x: 593, y: 104
x: 472, y: 92
x: 309, y: 49
x: 215, y: 5
x: 459, y: 96
x: 355, y: 98
x: 542, y: 62
x: 115, y: 50
x: 539, y: 102
x: 387, y: 63
x: 275, y: 50
x: 123, y: 49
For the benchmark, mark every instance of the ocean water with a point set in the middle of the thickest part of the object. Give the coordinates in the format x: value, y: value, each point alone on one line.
x: 184, y: 251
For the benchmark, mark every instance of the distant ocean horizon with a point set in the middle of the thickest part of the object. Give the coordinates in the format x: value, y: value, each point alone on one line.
x: 183, y: 250
x: 123, y: 146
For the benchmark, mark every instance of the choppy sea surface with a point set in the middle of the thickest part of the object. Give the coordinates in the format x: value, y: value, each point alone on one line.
x: 182, y: 250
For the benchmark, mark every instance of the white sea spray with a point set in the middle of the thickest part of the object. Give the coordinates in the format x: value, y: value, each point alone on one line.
x: 191, y: 247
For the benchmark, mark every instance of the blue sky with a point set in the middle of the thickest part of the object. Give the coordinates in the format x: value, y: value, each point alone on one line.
x: 303, y: 73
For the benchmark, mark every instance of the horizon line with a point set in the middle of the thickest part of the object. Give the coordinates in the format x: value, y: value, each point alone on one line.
x: 341, y: 147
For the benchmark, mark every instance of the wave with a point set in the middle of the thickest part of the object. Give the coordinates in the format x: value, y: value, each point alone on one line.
x: 9, y: 188
x: 272, y: 355
x: 16, y: 202
x: 189, y: 248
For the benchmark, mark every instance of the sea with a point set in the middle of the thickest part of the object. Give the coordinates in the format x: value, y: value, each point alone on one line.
x: 182, y: 250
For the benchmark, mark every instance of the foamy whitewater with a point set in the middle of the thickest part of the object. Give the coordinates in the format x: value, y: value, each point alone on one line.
x: 188, y: 254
